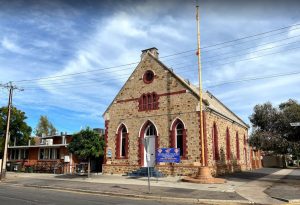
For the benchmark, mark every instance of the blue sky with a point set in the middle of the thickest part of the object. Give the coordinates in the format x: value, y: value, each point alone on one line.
x: 41, y: 40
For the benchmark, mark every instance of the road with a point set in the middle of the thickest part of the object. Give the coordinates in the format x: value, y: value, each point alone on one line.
x: 14, y: 195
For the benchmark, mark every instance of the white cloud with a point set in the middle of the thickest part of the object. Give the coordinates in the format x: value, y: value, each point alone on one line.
x: 11, y: 46
x: 294, y: 30
x: 69, y: 40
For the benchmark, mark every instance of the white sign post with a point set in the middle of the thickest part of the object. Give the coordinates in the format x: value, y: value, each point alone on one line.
x: 146, y: 144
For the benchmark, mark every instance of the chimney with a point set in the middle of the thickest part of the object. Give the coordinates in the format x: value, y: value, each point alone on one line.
x: 153, y: 51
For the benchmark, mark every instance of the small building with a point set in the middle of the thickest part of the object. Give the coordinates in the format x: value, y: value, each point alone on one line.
x: 157, y: 104
x: 48, y: 154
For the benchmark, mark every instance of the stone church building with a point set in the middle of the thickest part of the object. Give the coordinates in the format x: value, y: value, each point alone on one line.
x: 157, y: 104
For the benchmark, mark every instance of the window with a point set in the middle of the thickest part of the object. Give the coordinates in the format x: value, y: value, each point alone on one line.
x: 48, y: 153
x: 122, y: 142
x: 151, y: 130
x: 237, y: 146
x: 148, y: 102
x: 144, y: 102
x: 18, y: 154
x: 216, y: 155
x: 148, y: 76
x: 178, y: 137
x: 228, y: 144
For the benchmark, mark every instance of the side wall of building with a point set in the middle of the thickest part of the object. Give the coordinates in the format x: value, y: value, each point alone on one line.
x: 239, y: 154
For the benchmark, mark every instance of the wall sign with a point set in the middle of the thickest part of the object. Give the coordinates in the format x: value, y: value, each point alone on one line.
x: 171, y: 155
x: 108, y: 153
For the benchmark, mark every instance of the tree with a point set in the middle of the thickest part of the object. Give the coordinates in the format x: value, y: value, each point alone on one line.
x: 19, y: 130
x: 44, y: 127
x: 272, y: 130
x: 87, y: 144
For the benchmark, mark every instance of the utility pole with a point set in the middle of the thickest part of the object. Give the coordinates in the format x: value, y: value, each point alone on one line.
x: 11, y: 88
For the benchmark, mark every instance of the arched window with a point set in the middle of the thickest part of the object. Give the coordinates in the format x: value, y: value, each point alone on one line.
x: 228, y: 144
x: 148, y: 102
x: 216, y: 155
x: 178, y: 137
x: 122, y: 143
x: 237, y: 146
x: 144, y: 102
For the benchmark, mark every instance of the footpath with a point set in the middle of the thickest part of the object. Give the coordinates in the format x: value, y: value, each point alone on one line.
x: 256, y: 187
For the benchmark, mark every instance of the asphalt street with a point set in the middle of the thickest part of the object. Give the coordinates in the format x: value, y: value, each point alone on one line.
x: 287, y: 188
x: 14, y: 195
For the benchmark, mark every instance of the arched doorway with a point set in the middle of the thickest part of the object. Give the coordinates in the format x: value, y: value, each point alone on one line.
x: 148, y: 144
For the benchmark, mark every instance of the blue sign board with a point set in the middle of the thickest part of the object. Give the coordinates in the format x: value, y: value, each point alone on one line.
x: 171, y: 155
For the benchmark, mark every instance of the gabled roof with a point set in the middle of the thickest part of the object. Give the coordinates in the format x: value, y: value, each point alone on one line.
x: 211, y: 102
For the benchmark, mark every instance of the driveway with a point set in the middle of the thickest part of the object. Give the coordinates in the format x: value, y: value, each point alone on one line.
x: 268, y: 185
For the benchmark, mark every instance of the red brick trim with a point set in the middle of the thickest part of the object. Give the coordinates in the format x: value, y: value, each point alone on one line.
x: 237, y: 146
x: 173, y: 93
x: 146, y: 99
x: 128, y: 100
x: 158, y: 95
x: 200, y: 141
x: 141, y: 145
x: 172, y: 138
x: 106, y: 139
x: 118, y: 143
x: 205, y: 138
x: 228, y: 157
x: 127, y: 146
x: 215, y: 142
x: 145, y: 77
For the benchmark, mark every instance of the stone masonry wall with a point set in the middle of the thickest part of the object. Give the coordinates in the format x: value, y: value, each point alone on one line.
x: 175, y: 101
x: 223, y: 165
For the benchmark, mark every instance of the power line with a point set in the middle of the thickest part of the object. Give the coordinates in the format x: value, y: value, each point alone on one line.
x: 264, y: 49
x: 239, y: 39
x: 233, y: 56
x: 106, y: 68
x: 68, y: 84
x: 254, y: 78
x: 263, y: 44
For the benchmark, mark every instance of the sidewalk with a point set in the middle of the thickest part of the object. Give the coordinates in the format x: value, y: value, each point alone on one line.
x: 243, y: 190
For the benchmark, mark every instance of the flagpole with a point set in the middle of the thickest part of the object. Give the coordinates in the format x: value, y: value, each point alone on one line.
x: 200, y: 85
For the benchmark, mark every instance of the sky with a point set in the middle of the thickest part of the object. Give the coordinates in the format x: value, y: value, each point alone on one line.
x: 72, y: 57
